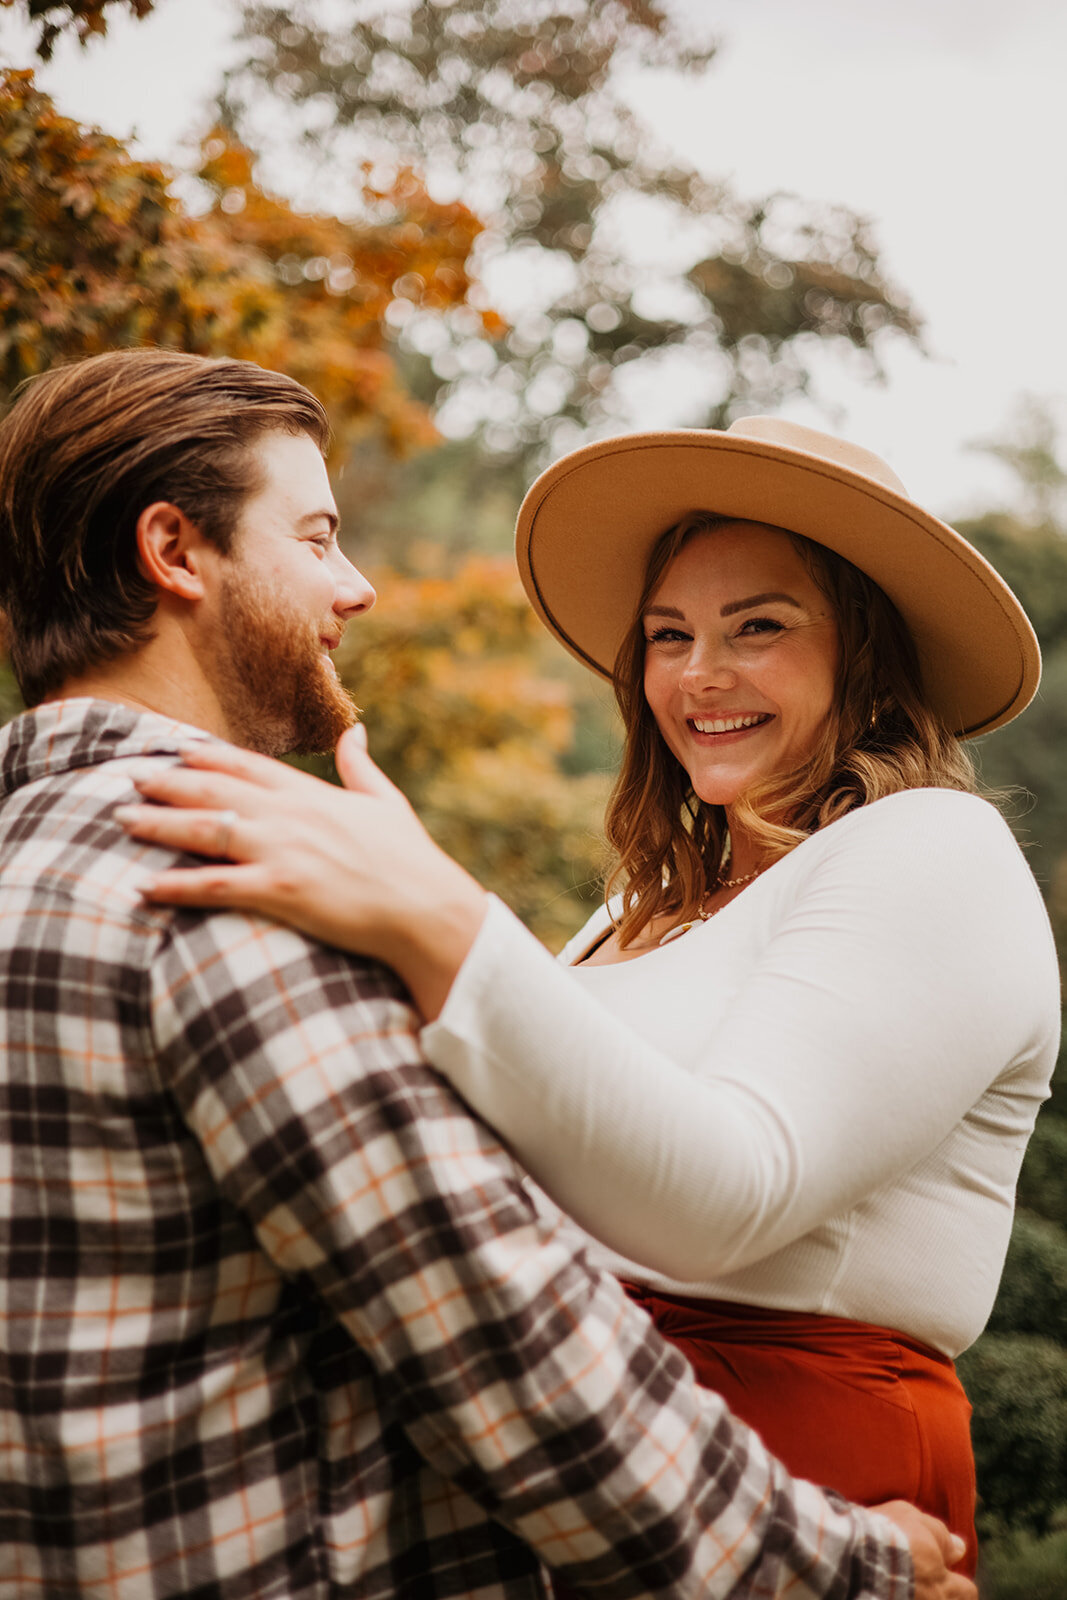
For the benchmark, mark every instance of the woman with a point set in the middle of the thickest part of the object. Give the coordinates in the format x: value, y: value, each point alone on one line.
x: 789, y: 1081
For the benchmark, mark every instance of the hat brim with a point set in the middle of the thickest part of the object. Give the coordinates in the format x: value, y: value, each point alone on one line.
x: 588, y: 524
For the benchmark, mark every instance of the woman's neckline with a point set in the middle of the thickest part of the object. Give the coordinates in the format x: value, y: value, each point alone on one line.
x: 800, y: 852
x: 657, y: 940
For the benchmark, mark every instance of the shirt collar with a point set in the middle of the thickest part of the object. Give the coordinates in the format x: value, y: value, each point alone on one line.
x: 64, y: 735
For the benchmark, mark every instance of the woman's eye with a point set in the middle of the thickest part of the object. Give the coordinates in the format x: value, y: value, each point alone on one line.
x: 665, y: 636
x: 754, y: 626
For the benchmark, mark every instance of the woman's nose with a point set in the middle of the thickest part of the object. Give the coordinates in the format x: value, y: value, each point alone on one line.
x: 708, y: 665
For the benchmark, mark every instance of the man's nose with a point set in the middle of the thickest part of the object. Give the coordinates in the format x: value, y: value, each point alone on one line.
x: 354, y: 594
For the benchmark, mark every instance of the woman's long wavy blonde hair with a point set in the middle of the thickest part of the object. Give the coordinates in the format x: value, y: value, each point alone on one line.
x: 880, y: 737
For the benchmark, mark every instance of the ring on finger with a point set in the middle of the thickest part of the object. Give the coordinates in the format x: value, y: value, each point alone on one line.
x: 226, y: 821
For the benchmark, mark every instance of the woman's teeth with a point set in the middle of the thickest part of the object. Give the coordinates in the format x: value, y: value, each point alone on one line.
x: 726, y: 724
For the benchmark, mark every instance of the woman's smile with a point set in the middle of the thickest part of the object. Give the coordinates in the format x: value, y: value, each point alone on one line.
x: 728, y: 725
x: 740, y: 659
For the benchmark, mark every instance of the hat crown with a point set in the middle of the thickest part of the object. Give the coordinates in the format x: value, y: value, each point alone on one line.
x: 825, y: 446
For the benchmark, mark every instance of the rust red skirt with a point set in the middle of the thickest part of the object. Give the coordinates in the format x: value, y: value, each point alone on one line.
x: 854, y: 1407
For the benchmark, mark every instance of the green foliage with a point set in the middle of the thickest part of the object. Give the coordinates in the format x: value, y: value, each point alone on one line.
x: 1030, y: 447
x: 1029, y: 757
x: 1043, y: 1183
x: 1032, y: 559
x: 430, y: 511
x: 1057, y: 1106
x: 1019, y: 1566
x: 514, y: 101
x: 1033, y: 1290
x: 1017, y: 1384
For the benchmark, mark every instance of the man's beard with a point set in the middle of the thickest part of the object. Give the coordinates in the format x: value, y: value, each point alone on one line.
x: 274, y: 681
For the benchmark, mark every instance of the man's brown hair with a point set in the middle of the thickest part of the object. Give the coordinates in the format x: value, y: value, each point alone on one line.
x: 83, y: 450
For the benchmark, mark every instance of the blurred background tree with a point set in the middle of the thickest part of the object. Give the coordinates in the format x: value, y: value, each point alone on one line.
x: 384, y: 304
x: 444, y: 216
x: 97, y: 251
x: 605, y: 252
x: 1016, y: 1374
x: 85, y: 18
x: 463, y: 714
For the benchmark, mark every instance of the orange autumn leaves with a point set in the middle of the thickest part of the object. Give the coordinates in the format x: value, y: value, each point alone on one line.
x: 99, y: 252
x: 462, y: 714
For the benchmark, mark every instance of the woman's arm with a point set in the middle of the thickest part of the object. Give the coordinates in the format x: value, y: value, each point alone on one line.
x: 914, y: 967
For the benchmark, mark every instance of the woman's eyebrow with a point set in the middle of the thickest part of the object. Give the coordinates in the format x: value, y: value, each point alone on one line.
x: 758, y: 600
x: 664, y: 611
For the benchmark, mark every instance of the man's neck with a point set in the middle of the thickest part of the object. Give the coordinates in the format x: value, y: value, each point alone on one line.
x: 145, y: 682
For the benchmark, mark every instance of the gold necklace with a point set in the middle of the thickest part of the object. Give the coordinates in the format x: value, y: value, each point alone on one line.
x: 735, y: 883
x: 706, y: 916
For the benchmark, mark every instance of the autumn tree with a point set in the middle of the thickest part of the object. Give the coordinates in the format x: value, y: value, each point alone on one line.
x: 97, y: 252
x: 461, y: 713
x: 86, y: 19
x: 515, y: 103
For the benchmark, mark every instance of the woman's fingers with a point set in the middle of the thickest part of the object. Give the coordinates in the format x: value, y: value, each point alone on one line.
x: 262, y: 771
x: 205, y: 791
x: 216, y: 832
x: 244, y: 887
x: 358, y: 772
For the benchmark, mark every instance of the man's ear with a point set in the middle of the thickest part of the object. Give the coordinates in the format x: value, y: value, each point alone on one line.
x: 170, y: 551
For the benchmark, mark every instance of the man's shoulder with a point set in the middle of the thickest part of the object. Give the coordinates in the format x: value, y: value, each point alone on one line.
x: 63, y: 770
x: 63, y: 738
x: 63, y: 855
x: 64, y: 767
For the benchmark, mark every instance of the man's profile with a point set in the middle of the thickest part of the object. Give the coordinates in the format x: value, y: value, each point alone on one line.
x: 278, y: 1316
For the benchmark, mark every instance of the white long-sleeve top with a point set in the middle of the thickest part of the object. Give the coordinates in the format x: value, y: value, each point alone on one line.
x: 818, y: 1100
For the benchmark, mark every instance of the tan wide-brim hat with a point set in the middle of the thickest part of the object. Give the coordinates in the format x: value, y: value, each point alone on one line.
x: 588, y: 525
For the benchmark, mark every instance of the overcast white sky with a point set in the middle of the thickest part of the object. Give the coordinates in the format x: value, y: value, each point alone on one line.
x: 943, y: 120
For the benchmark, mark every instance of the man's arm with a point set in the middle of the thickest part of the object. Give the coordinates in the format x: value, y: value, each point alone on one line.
x: 518, y: 1373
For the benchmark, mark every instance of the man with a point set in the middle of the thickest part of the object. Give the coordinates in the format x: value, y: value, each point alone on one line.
x: 278, y: 1316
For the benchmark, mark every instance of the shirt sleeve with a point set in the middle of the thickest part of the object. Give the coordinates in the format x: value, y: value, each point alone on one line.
x: 911, y: 968
x: 517, y: 1372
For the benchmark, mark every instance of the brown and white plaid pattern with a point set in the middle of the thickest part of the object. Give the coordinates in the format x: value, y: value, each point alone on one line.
x: 277, y: 1318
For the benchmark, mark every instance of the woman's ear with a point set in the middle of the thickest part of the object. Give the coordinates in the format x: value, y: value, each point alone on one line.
x: 169, y: 550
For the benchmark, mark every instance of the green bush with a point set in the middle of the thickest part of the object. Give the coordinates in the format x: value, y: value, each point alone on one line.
x: 1033, y: 1290
x: 1043, y: 1180
x: 1017, y: 1384
x: 1020, y: 1567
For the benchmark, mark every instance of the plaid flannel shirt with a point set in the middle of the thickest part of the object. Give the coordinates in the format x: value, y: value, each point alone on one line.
x: 277, y: 1318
